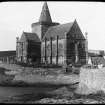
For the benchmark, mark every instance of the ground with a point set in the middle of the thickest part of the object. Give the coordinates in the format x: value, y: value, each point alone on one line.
x: 60, y: 86
x: 40, y: 75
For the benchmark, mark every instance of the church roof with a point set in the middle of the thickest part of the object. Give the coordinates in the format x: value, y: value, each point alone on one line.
x: 62, y: 30
x: 59, y: 30
x: 31, y: 36
x: 45, y: 14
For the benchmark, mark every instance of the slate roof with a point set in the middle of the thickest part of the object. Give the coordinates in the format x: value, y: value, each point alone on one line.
x: 45, y: 14
x: 31, y: 36
x: 93, y: 54
x: 59, y: 30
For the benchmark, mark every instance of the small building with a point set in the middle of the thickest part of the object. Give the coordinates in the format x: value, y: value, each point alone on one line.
x: 28, y: 48
x: 96, y: 57
x: 8, y: 56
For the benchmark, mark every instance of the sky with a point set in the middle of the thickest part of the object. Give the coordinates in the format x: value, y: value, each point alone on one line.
x: 16, y: 17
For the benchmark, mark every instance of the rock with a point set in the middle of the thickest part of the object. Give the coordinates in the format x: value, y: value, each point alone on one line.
x: 53, y: 101
x: 63, y: 92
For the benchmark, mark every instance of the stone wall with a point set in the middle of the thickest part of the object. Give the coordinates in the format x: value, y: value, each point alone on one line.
x: 76, y: 38
x: 37, y: 29
x: 91, y: 80
x: 21, y: 49
x: 53, y: 53
x: 34, y: 51
x: 40, y: 29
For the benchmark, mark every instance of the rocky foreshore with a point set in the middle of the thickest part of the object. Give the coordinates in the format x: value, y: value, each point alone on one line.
x: 62, y: 95
x: 62, y: 87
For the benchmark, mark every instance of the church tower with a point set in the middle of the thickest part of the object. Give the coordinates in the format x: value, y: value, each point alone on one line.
x: 45, y: 14
x: 44, y: 22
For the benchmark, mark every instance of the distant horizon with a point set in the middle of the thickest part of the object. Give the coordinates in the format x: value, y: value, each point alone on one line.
x: 17, y: 17
x: 88, y: 50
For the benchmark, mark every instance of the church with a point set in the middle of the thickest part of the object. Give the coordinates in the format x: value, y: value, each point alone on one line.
x: 52, y: 43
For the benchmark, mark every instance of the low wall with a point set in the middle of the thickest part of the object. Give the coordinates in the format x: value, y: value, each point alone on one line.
x: 91, y: 80
x: 53, y: 79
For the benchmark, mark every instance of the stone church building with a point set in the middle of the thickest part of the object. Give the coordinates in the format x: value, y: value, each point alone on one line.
x: 52, y: 43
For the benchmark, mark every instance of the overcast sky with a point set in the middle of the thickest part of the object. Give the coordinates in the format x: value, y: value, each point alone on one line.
x: 16, y: 17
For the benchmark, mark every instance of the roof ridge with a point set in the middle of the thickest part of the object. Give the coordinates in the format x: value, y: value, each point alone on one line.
x: 62, y: 24
x: 66, y: 27
x: 29, y: 32
x: 32, y: 36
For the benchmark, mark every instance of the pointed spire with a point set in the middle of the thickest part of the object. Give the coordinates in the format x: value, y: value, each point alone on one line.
x: 86, y: 35
x: 45, y: 14
x: 75, y: 21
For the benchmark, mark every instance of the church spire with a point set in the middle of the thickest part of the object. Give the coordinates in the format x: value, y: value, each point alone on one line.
x: 45, y: 14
